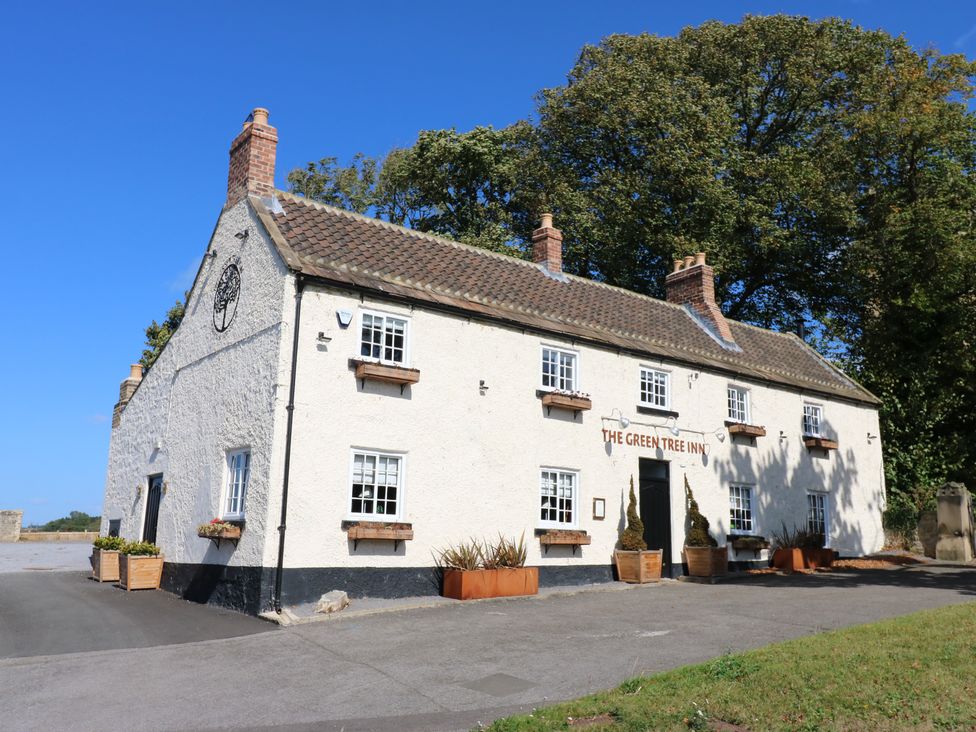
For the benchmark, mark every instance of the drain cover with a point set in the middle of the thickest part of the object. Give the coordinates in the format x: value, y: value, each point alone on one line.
x: 499, y: 685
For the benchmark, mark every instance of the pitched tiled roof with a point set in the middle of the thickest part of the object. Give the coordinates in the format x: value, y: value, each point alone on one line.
x: 348, y: 249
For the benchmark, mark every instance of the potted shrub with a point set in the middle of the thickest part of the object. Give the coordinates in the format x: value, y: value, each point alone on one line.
x: 702, y: 554
x: 141, y: 566
x: 105, y: 558
x: 474, y: 571
x: 800, y: 549
x: 636, y: 563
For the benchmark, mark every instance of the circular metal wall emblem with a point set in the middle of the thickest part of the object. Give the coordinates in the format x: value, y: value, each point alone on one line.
x: 226, y: 297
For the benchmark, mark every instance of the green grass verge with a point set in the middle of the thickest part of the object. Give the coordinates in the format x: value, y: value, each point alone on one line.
x: 913, y: 672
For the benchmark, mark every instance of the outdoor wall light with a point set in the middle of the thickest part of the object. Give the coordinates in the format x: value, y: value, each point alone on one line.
x: 323, y: 338
x: 872, y: 437
x: 622, y: 419
x: 720, y: 434
x: 674, y: 429
x: 782, y: 435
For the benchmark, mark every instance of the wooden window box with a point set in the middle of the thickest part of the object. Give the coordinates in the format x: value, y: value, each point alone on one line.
x: 819, y: 443
x: 233, y: 534
x: 378, y: 531
x: 752, y: 544
x: 746, y: 430
x: 570, y: 402
x: 563, y: 537
x: 385, y: 373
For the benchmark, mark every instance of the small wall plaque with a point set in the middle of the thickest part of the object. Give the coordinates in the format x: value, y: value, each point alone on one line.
x: 599, y: 509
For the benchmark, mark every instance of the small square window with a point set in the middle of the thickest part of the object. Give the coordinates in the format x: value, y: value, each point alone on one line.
x: 738, y: 405
x: 558, y: 490
x: 384, y: 338
x: 376, y: 486
x: 740, y: 509
x: 812, y: 420
x: 655, y: 388
x: 559, y: 369
x: 238, y: 475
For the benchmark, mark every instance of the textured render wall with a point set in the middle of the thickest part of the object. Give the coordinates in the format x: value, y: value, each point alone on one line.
x: 209, y: 392
x: 473, y: 458
x: 10, y: 522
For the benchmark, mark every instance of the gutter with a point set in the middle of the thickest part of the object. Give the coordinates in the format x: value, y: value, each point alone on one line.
x: 279, y: 567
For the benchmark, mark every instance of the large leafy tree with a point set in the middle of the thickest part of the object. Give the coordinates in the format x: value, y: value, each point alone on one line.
x: 826, y: 169
x: 158, y: 334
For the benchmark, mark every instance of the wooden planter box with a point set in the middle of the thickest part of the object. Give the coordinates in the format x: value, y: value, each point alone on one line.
x: 746, y: 430
x: 792, y: 559
x: 379, y: 531
x: 105, y: 565
x: 566, y: 401
x: 478, y: 584
x: 232, y: 533
x: 140, y: 573
x: 706, y: 561
x: 564, y: 537
x: 388, y: 374
x: 638, y: 567
x: 819, y: 443
x: 754, y: 544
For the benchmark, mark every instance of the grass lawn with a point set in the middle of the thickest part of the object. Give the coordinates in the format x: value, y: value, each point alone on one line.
x: 913, y: 672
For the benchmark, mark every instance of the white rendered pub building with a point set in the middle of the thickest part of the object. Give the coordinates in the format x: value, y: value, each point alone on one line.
x: 358, y: 396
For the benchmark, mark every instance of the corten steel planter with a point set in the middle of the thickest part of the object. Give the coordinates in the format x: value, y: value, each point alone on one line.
x: 638, y: 567
x: 707, y: 561
x: 105, y: 565
x: 479, y: 584
x: 140, y: 572
x: 792, y: 558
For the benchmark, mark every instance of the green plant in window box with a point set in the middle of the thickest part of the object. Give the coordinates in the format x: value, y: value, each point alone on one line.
x: 703, y: 555
x: 217, y: 529
x: 634, y: 562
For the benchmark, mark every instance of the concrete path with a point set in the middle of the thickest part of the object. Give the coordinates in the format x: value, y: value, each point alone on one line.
x: 448, y: 668
x: 43, y: 556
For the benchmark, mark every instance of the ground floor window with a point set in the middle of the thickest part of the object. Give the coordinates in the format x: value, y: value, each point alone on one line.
x: 238, y: 474
x: 817, y: 513
x: 740, y: 506
x: 558, y: 494
x: 376, y: 484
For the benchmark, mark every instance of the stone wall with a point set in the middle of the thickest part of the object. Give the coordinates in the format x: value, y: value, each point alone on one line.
x: 87, y: 536
x: 10, y: 522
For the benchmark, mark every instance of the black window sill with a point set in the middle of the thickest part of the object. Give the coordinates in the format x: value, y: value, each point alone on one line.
x: 656, y: 412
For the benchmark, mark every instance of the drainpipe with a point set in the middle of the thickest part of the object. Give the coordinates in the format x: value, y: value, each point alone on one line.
x: 279, y: 567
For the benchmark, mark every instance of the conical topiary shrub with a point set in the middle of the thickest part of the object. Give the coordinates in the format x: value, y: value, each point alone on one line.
x: 698, y: 535
x: 632, y: 538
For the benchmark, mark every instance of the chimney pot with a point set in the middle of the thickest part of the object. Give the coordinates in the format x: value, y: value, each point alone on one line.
x: 700, y: 258
x: 135, y: 372
x: 260, y: 116
x: 677, y: 265
x: 689, y: 260
x: 546, y: 222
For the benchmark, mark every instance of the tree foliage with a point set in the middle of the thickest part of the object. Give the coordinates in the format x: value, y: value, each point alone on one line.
x: 75, y: 521
x: 826, y: 169
x: 632, y: 537
x: 158, y: 334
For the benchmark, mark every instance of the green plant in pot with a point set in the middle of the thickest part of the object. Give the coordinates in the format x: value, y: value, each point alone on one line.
x: 105, y: 558
x: 475, y: 570
x: 703, y: 555
x: 799, y: 548
x: 140, y: 566
x: 636, y: 563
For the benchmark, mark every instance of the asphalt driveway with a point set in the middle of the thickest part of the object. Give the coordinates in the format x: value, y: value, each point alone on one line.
x: 441, y: 668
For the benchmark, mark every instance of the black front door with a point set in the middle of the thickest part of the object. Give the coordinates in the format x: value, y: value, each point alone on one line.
x: 152, y: 508
x: 655, y: 508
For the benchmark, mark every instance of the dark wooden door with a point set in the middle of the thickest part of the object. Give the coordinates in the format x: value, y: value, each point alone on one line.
x: 655, y: 508
x: 152, y: 508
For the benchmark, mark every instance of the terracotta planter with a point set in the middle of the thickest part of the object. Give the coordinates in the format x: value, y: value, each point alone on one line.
x: 638, y: 567
x: 105, y: 565
x: 706, y: 561
x: 792, y: 559
x: 139, y: 572
x: 478, y: 584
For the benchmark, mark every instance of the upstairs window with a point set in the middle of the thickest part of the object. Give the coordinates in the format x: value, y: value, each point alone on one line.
x: 812, y: 420
x: 559, y: 499
x: 238, y: 474
x: 655, y: 388
x: 384, y: 338
x: 560, y: 369
x: 740, y: 509
x: 738, y: 405
x: 376, y: 485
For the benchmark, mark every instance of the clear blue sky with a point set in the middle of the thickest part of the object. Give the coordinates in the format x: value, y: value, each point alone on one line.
x: 114, y: 129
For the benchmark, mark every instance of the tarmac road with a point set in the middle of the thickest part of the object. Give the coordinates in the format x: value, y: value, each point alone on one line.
x: 441, y: 668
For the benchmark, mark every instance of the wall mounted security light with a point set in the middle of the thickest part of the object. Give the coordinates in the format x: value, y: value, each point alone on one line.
x: 345, y: 317
x: 674, y: 429
x: 622, y: 419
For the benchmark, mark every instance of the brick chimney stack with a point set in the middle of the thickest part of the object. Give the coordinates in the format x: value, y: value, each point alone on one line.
x: 252, y: 159
x: 547, y: 245
x: 693, y: 283
x: 126, y: 389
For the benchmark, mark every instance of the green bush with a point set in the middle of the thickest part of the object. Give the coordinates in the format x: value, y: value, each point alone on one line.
x: 632, y: 538
x: 140, y: 549
x: 698, y: 534
x: 109, y: 543
x: 796, y: 538
x: 901, y: 515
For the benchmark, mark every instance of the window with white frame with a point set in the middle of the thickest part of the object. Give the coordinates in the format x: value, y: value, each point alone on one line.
x: 738, y: 405
x: 812, y: 419
x: 558, y: 492
x: 377, y: 481
x: 560, y: 369
x: 817, y: 513
x: 655, y: 388
x: 384, y: 337
x: 740, y: 509
x: 238, y: 474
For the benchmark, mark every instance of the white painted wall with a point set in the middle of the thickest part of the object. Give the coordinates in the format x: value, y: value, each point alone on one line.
x: 473, y: 458
x: 208, y: 393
